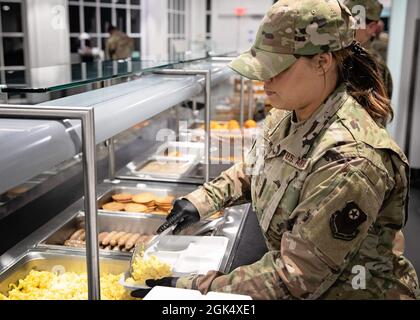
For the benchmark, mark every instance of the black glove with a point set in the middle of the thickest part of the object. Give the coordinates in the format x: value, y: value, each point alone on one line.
x: 183, y: 214
x: 164, y: 282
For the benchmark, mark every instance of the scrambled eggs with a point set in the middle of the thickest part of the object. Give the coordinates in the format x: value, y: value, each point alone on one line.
x: 45, y: 285
x: 150, y: 268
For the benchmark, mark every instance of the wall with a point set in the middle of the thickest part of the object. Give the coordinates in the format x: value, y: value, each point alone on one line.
x: 400, y: 61
x: 47, y: 30
x: 197, y: 24
x: 155, y: 24
x: 232, y: 33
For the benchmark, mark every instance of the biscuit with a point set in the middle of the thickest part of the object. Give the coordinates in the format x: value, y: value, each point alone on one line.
x: 122, y: 197
x: 164, y: 201
x: 160, y: 212
x: 113, y: 206
x: 135, y: 207
x: 144, y: 198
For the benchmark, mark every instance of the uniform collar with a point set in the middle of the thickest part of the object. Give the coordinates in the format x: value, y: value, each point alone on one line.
x: 301, y: 137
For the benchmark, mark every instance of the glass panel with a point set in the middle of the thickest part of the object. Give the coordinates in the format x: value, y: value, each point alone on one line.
x: 135, y: 21
x: 174, y: 22
x: 74, y: 18
x: 121, y: 19
x: 105, y: 1
x: 74, y: 45
x: 177, y: 21
x: 169, y: 23
x: 104, y: 40
x: 13, y: 51
x: 135, y: 2
x: 137, y: 44
x: 92, y: 42
x: 208, y: 23
x: 90, y: 19
x: 208, y: 5
x: 122, y: 68
x: 76, y: 72
x: 120, y: 1
x: 15, y: 77
x: 106, y: 19
x: 11, y: 17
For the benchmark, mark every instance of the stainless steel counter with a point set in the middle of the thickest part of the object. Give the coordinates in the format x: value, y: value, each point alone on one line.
x: 40, y: 245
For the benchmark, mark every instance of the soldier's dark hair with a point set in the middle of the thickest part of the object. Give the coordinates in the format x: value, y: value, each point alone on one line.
x: 358, y: 69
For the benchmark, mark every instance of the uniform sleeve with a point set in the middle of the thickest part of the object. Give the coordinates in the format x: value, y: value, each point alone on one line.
x: 339, y: 203
x: 232, y: 187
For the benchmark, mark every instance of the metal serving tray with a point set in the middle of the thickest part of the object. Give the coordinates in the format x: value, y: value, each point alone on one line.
x: 57, y: 261
x: 192, y: 152
x: 61, y: 226
x: 144, y: 225
x: 160, y: 190
x: 140, y: 168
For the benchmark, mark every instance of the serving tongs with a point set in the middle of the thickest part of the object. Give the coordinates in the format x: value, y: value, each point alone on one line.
x: 141, y: 247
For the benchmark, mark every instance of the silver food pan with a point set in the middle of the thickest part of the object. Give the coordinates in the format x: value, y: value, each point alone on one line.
x: 57, y: 261
x: 160, y: 190
x: 143, y: 225
x: 172, y: 167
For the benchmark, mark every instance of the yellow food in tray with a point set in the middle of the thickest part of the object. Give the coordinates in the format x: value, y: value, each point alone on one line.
x: 45, y: 285
x: 148, y: 268
x: 230, y: 125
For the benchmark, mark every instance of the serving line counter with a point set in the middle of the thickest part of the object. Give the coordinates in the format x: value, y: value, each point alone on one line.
x: 30, y: 147
x: 116, y: 109
x: 44, y: 250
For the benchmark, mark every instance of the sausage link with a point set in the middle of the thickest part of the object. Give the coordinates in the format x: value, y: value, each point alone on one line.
x: 114, y: 240
x: 122, y: 241
x: 76, y: 234
x: 108, y: 238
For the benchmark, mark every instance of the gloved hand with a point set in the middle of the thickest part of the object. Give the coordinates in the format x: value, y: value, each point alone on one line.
x: 183, y: 214
x: 164, y: 282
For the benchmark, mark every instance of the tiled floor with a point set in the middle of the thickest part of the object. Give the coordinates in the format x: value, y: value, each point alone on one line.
x: 412, y: 230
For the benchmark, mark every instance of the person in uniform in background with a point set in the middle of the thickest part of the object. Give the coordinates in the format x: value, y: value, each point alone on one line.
x: 366, y: 36
x: 381, y: 41
x: 328, y: 184
x: 119, y: 45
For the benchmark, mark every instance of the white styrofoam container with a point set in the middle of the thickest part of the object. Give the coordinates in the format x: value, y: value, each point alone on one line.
x: 169, y: 293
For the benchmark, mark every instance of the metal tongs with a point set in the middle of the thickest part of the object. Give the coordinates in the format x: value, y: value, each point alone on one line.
x: 139, y: 246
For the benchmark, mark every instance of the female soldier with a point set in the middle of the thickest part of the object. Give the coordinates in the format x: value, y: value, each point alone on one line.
x: 328, y: 184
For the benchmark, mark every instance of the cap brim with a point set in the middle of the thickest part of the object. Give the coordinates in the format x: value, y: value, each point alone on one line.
x: 261, y: 65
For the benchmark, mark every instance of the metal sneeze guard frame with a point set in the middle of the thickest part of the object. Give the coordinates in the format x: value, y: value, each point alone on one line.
x: 87, y: 118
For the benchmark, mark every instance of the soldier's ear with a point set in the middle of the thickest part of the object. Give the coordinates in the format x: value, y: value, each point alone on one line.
x: 323, y: 63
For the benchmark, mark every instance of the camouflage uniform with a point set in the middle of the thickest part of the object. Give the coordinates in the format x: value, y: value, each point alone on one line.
x: 373, y: 12
x: 119, y: 46
x: 330, y: 193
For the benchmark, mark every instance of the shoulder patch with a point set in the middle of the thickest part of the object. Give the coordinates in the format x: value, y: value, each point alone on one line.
x: 345, y: 223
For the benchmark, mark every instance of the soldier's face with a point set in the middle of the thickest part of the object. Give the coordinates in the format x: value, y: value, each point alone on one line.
x: 297, y: 87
